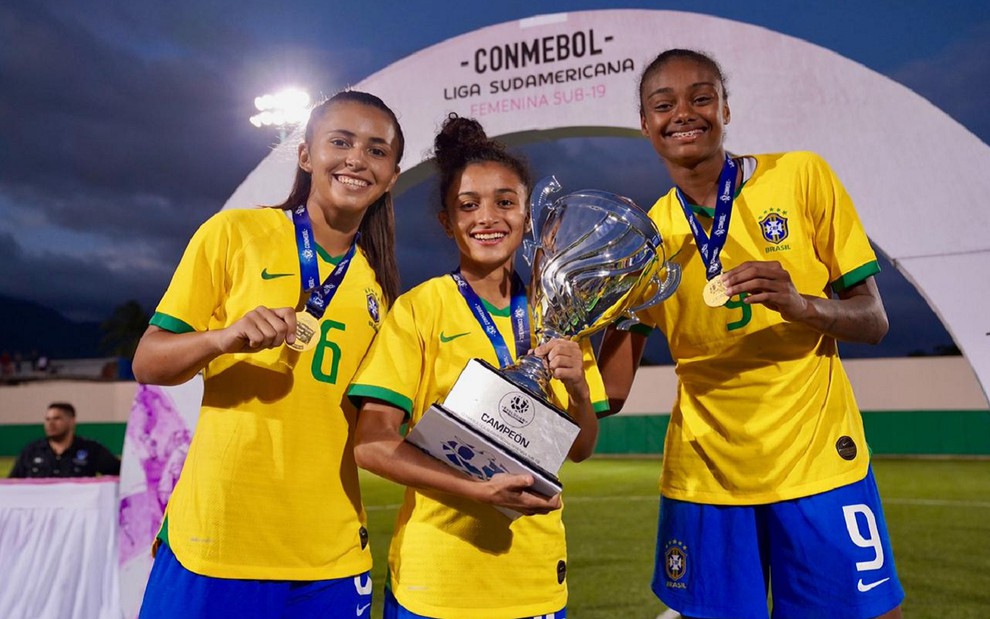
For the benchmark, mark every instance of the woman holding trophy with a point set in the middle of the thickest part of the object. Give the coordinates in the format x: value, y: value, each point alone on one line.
x: 766, y: 468
x: 453, y: 555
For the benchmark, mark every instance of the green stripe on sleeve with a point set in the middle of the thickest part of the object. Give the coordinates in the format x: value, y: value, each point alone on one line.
x: 856, y: 276
x: 163, y: 532
x: 169, y: 323
x: 601, y: 408
x: 357, y: 392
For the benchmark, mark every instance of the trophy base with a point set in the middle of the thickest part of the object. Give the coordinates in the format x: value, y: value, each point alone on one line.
x: 446, y: 437
x: 513, y: 416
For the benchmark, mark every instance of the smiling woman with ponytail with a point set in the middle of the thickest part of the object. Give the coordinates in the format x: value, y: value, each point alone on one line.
x: 277, y: 307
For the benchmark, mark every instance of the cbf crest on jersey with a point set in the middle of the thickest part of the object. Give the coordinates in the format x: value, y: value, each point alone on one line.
x: 374, y: 308
x: 675, y: 563
x: 774, y: 225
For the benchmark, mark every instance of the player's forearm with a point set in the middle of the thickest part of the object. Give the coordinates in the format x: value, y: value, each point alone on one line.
x: 618, y: 360
x: 584, y: 445
x: 859, y: 320
x: 397, y: 461
x: 856, y: 316
x: 165, y: 358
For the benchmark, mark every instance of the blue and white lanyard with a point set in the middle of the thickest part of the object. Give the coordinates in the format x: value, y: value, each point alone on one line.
x: 710, y: 248
x: 520, y: 317
x: 309, y: 269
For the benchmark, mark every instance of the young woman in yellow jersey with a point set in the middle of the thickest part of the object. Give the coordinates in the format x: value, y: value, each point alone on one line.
x: 766, y: 480
x: 453, y: 555
x: 277, y: 307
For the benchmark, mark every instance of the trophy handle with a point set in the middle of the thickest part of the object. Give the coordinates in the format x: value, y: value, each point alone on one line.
x: 665, y: 289
x: 529, y: 251
x: 538, y: 203
x: 539, y: 200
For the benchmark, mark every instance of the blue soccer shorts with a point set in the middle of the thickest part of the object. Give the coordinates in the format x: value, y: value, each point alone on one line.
x: 826, y: 555
x: 394, y: 610
x: 174, y: 592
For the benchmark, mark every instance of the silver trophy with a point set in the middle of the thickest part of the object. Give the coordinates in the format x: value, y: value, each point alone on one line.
x: 594, y: 256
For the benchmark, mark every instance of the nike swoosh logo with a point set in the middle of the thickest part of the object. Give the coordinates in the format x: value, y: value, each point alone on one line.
x: 266, y: 275
x: 360, y: 610
x: 864, y: 588
x: 445, y: 339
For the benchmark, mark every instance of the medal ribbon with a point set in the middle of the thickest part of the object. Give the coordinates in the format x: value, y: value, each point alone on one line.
x: 309, y: 269
x: 710, y: 248
x: 520, y: 317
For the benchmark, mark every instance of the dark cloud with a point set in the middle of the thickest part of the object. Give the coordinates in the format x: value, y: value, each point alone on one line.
x: 79, y: 109
x: 626, y: 166
x: 159, y: 222
x: 84, y: 288
x: 957, y: 79
x: 124, y: 127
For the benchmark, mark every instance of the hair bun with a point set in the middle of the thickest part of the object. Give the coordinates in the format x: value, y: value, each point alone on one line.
x: 456, y: 138
x: 462, y: 142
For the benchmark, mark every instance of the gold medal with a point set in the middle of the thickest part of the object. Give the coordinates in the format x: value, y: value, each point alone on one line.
x: 714, y: 292
x: 307, y: 326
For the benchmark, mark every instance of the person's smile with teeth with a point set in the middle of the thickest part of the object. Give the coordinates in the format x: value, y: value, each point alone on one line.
x: 489, y: 236
x: 352, y: 181
x: 690, y: 133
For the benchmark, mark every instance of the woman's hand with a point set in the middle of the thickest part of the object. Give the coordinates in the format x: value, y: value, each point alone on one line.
x: 259, y: 329
x: 566, y: 363
x: 166, y: 358
x: 767, y: 283
x: 857, y: 315
x: 512, y: 492
x: 565, y: 360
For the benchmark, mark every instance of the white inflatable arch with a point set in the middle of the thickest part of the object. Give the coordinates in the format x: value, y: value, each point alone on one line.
x: 919, y: 179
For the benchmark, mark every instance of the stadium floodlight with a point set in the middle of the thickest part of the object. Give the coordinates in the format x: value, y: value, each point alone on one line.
x: 283, y: 110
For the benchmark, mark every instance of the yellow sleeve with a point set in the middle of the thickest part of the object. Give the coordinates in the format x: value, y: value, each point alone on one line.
x: 840, y: 240
x: 199, y: 283
x: 599, y: 399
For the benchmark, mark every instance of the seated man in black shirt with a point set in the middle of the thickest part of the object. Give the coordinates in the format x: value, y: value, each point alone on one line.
x: 62, y: 453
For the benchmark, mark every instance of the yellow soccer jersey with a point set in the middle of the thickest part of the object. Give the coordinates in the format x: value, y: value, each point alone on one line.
x: 452, y: 557
x: 764, y: 410
x: 269, y: 489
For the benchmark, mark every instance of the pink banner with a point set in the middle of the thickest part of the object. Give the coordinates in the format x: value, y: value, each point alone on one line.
x: 159, y: 430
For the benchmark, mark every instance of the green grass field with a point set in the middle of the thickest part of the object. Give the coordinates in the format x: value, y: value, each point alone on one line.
x: 938, y: 512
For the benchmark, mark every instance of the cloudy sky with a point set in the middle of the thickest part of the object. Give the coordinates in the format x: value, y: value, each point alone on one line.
x: 124, y: 125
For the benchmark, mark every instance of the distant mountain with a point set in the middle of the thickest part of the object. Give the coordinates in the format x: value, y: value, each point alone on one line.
x: 27, y: 327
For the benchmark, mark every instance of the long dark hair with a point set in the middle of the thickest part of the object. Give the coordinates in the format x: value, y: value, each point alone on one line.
x: 686, y: 54
x: 378, y: 224
x: 462, y: 141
